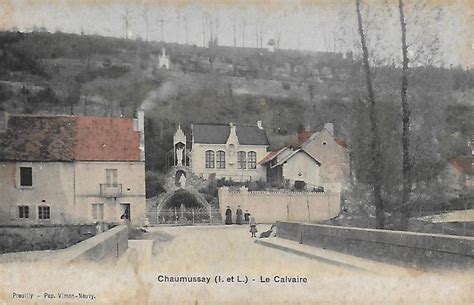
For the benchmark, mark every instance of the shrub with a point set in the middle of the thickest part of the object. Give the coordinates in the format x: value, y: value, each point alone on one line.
x: 154, y: 184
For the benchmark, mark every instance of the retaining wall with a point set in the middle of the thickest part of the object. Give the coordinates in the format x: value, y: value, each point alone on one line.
x: 270, y: 206
x: 415, y: 249
x: 107, y: 246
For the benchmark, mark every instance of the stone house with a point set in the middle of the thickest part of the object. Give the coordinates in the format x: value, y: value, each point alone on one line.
x: 317, y: 159
x: 71, y: 169
x: 333, y: 155
x: 228, y: 151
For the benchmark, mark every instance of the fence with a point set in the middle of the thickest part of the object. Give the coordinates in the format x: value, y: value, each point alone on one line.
x: 188, y: 216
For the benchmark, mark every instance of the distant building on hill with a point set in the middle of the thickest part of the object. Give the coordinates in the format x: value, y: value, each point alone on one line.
x: 163, y: 59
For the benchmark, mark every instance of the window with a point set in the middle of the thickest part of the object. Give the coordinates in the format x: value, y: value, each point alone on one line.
x: 26, y: 176
x: 220, y: 159
x: 111, y: 177
x: 23, y: 211
x: 241, y: 160
x: 209, y: 159
x: 98, y: 211
x: 44, y: 212
x: 252, y: 159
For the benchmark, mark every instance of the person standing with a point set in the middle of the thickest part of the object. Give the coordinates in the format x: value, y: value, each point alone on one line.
x: 253, y: 227
x: 228, y: 216
x: 246, y: 216
x: 238, y: 215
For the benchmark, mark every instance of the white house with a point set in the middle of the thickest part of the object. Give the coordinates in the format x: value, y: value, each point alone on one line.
x: 71, y: 170
x: 318, y: 159
x: 228, y: 151
x: 294, y: 166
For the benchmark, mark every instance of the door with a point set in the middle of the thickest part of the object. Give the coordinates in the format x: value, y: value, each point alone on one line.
x: 125, y: 211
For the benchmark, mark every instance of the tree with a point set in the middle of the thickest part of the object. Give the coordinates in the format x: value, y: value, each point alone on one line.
x: 376, y: 166
x: 407, y: 178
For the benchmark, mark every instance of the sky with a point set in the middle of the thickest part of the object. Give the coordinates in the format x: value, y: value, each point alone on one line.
x: 320, y: 25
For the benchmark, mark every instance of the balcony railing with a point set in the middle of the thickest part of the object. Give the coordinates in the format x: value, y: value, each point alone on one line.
x: 110, y: 190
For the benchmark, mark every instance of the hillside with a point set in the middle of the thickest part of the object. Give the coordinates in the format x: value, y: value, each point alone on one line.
x: 92, y: 75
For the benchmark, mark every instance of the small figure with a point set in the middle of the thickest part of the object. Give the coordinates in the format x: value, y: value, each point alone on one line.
x: 247, y: 216
x: 228, y: 216
x: 266, y: 234
x: 253, y: 227
x: 182, y: 181
x: 238, y: 215
x: 179, y: 156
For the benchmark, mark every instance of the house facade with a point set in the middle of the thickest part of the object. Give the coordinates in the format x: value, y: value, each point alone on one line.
x: 293, y: 167
x: 333, y: 155
x: 228, y: 151
x: 71, y: 170
x: 315, y: 160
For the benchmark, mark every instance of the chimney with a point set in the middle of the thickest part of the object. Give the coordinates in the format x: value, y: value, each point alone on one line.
x: 4, y: 116
x: 139, y: 125
x: 329, y: 127
x: 259, y: 124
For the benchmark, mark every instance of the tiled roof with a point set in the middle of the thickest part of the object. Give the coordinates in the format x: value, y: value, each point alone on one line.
x: 69, y: 138
x: 271, y: 155
x: 463, y: 165
x: 218, y: 134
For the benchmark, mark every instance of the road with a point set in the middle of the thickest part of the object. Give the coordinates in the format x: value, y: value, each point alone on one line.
x: 208, y: 252
x: 229, y: 251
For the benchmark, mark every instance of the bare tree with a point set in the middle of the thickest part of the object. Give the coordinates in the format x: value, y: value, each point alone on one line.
x: 145, y: 18
x: 177, y: 26
x: 126, y: 19
x: 376, y: 160
x: 243, y: 32
x: 407, y: 179
x: 162, y: 22
x: 203, y: 26
x: 234, y: 27
x: 185, y: 18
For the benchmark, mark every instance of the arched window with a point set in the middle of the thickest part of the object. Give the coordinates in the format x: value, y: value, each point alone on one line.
x: 252, y: 159
x: 241, y: 160
x: 220, y: 159
x: 209, y: 159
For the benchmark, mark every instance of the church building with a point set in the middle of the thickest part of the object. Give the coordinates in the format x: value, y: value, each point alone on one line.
x: 226, y: 151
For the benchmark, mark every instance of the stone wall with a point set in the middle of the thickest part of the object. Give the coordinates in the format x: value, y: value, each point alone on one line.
x: 33, y: 238
x: 106, y: 246
x: 407, y: 248
x: 270, y: 206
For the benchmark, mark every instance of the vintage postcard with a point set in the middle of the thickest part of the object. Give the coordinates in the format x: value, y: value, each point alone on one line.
x: 236, y: 152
